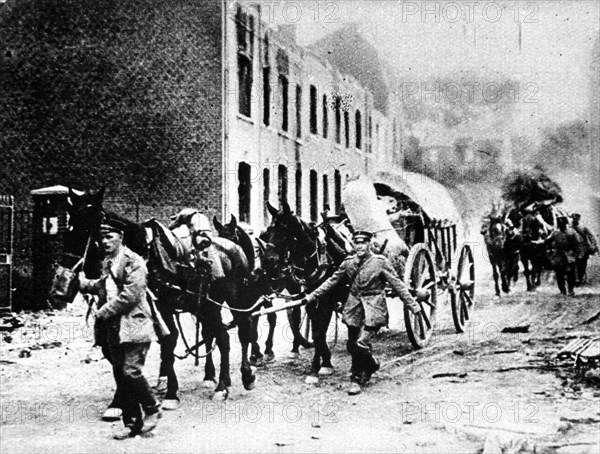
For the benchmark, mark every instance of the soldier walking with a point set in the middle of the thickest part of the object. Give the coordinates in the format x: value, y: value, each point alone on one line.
x: 588, y: 247
x: 365, y: 312
x: 565, y: 247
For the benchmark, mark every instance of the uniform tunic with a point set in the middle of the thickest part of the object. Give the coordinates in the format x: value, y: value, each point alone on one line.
x: 367, y: 277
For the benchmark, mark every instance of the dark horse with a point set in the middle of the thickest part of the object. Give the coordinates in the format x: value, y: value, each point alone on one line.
x: 308, y: 255
x: 533, y: 251
x: 502, y: 252
x: 256, y: 252
x: 167, y: 278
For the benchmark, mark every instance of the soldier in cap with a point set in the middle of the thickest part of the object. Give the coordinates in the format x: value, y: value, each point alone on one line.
x: 124, y: 327
x: 565, y: 246
x: 588, y: 247
x: 365, y: 310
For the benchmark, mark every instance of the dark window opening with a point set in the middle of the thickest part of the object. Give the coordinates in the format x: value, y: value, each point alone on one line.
x: 266, y: 193
x: 326, y: 206
x: 244, y: 191
x: 283, y: 184
x: 337, y: 194
x: 347, y: 128
x: 313, y: 109
x: 298, y: 111
x: 299, y: 190
x: 325, y: 117
x: 314, y: 196
x: 245, y: 84
x: 283, y: 87
x: 358, y: 130
x: 338, y: 120
x: 267, y: 96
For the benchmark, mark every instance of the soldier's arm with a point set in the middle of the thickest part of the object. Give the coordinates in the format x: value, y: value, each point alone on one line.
x: 92, y: 286
x: 340, y: 276
x: 134, y: 289
x: 591, y: 239
x: 391, y: 277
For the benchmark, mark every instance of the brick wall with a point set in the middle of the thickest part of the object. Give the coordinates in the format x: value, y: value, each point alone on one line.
x: 122, y: 94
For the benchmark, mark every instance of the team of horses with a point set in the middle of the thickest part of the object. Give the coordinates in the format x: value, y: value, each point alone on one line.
x: 511, y: 235
x: 191, y: 270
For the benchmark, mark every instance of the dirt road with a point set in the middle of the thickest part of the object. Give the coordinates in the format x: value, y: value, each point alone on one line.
x: 461, y: 392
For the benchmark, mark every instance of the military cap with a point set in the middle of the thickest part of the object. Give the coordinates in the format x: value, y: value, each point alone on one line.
x: 576, y: 216
x: 112, y: 226
x: 360, y: 236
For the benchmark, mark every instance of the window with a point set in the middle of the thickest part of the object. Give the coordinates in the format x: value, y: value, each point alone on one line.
x: 313, y: 109
x: 326, y: 206
x: 244, y: 188
x: 299, y: 190
x: 370, y: 134
x: 283, y: 88
x: 266, y: 193
x: 325, y: 117
x: 298, y: 111
x: 245, y: 85
x: 358, y: 130
x: 314, y: 196
x: 283, y: 184
x: 267, y: 96
x: 338, y: 120
x: 337, y: 194
x: 245, y: 39
x: 347, y: 128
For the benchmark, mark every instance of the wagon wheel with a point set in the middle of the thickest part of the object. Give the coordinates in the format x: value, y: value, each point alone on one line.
x: 420, y: 277
x: 463, y: 293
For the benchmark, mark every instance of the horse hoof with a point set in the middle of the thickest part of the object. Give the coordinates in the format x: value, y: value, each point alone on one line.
x: 161, y: 385
x: 311, y: 380
x: 294, y: 355
x: 170, y: 404
x: 209, y: 383
x: 257, y: 362
x: 250, y: 386
x: 270, y: 358
x: 325, y: 371
x: 220, y: 396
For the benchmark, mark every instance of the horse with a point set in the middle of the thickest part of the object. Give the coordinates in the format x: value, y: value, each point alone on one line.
x: 259, y: 285
x: 308, y: 255
x: 175, y: 267
x: 533, y: 251
x: 504, y: 259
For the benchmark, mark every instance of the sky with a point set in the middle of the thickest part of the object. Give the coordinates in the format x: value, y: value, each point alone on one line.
x: 422, y: 39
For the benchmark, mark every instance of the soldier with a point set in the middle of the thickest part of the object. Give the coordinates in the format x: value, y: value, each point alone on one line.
x: 124, y: 328
x: 365, y: 311
x: 588, y: 247
x: 565, y: 249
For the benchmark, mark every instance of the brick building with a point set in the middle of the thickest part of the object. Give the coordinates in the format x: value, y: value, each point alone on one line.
x: 183, y: 103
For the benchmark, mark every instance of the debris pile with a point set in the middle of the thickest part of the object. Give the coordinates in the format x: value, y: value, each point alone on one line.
x: 584, y: 354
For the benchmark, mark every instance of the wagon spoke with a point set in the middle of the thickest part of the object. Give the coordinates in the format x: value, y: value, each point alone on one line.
x: 426, y: 318
x: 421, y: 325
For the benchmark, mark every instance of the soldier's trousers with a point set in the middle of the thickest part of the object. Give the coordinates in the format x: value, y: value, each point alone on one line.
x: 359, y: 346
x: 563, y: 271
x: 581, y: 268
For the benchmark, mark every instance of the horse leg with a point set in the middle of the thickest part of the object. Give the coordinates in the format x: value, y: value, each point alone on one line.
x: 256, y: 357
x: 320, y: 318
x: 505, y: 276
x: 167, y: 361
x: 215, y: 329
x: 295, y: 319
x: 527, y: 273
x: 209, y: 365
x: 246, y: 336
x: 270, y: 355
x: 495, y: 274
